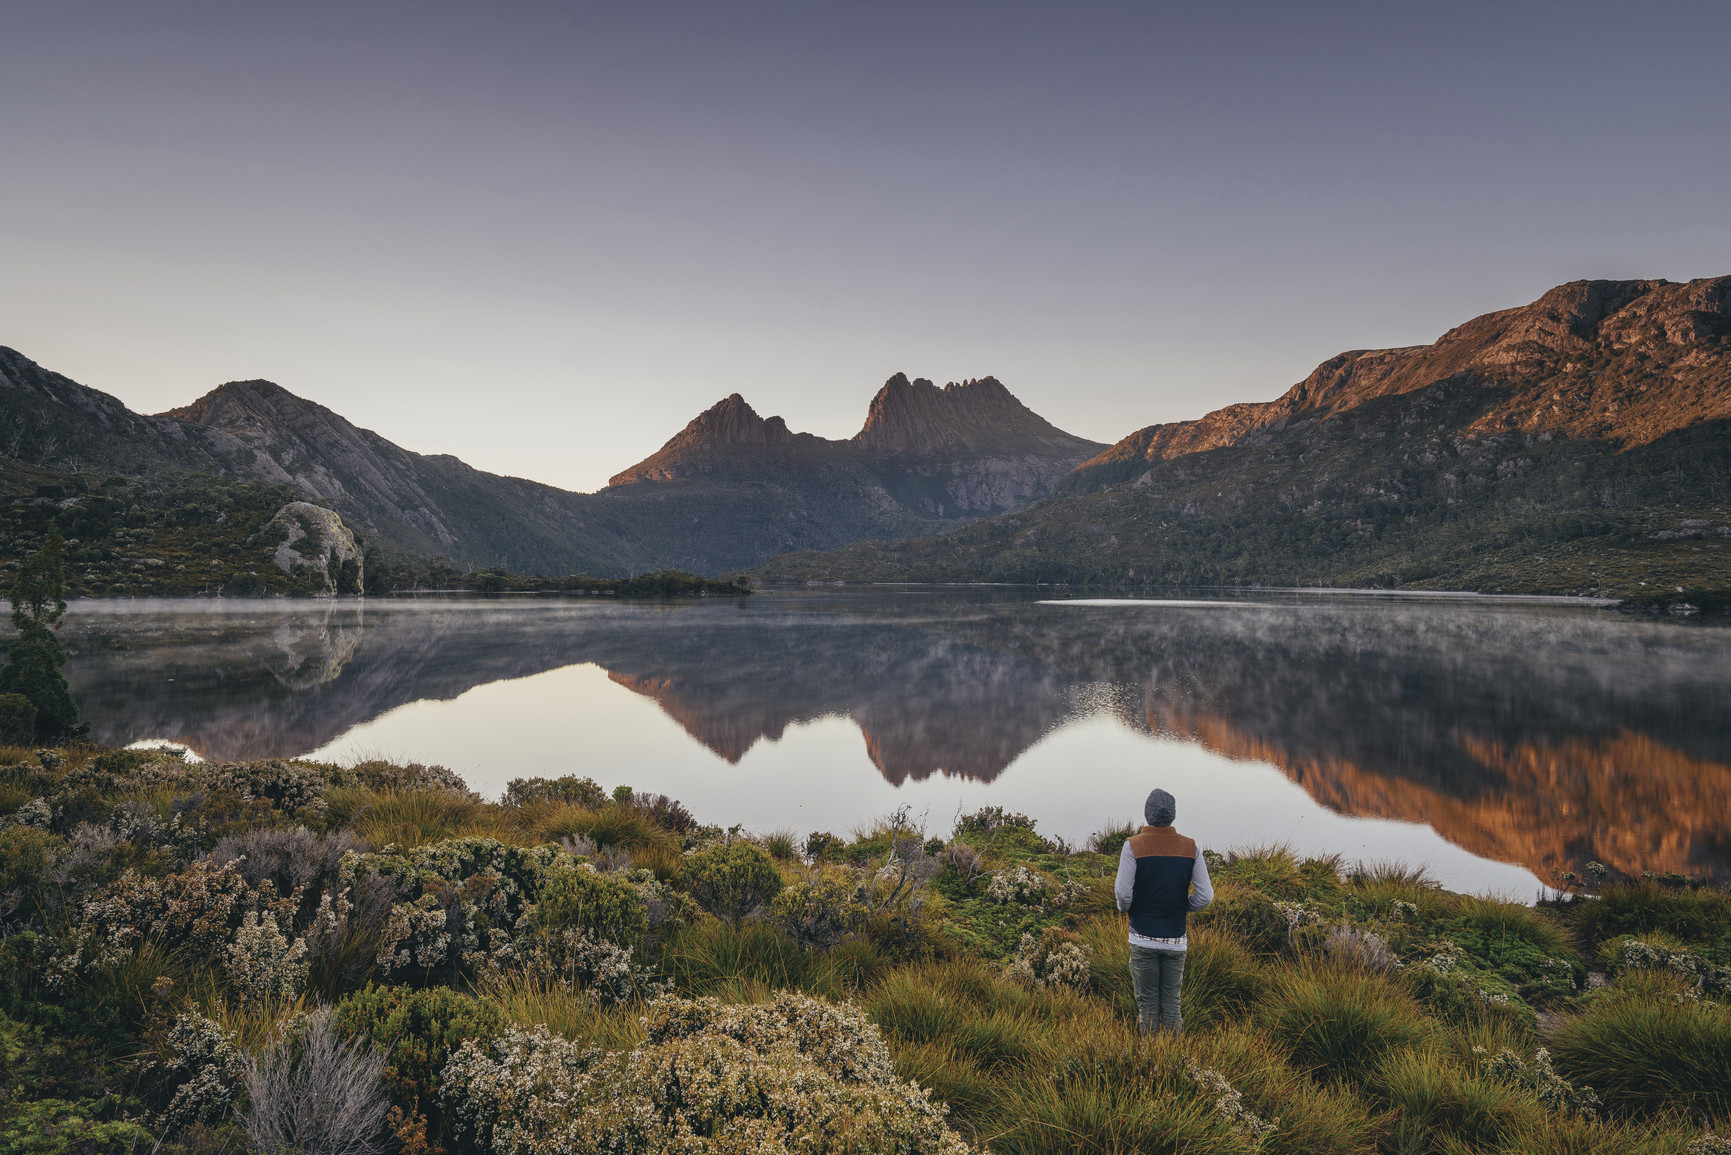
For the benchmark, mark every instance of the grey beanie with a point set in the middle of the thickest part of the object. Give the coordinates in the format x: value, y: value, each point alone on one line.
x: 1160, y: 809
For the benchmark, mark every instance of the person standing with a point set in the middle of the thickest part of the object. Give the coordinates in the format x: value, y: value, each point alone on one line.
x: 1161, y: 879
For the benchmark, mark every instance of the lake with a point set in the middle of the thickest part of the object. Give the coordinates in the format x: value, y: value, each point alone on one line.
x: 1495, y: 740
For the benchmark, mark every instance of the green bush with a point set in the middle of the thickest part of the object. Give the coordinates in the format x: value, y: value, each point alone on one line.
x: 732, y: 881
x: 58, y: 1127
x: 584, y: 792
x: 1460, y: 993
x: 817, y: 912
x: 583, y: 898
x: 25, y: 858
x: 33, y: 661
x: 418, y: 1031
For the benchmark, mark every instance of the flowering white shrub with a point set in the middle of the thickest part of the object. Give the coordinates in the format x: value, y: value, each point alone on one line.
x: 1053, y: 959
x: 1634, y: 954
x: 1710, y: 1144
x: 477, y: 905
x: 662, y: 905
x: 458, y: 898
x: 287, y: 786
x: 1347, y: 943
x: 818, y: 911
x: 1229, y: 1101
x: 198, y: 908
x: 1297, y: 914
x: 209, y: 1068
x: 794, y: 1074
x: 1020, y: 887
x: 417, y: 937
x: 577, y: 957
x: 37, y: 812
x: 262, y: 965
x: 1446, y: 960
x: 1552, y: 1089
x: 1405, y: 911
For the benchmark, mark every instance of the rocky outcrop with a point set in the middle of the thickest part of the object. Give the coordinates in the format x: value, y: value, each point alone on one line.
x: 312, y: 544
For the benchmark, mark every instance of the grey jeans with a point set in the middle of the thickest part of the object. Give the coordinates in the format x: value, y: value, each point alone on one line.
x: 1157, y: 977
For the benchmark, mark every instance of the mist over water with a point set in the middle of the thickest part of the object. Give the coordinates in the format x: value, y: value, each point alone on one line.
x: 1496, y: 740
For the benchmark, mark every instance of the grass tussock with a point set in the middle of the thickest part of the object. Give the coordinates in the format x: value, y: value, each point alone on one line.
x: 566, y: 1010
x: 624, y: 827
x: 1692, y: 915
x: 1339, y: 1024
x: 1646, y: 1045
x: 411, y: 818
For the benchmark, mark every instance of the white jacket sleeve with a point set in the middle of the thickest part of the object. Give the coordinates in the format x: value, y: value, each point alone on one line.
x: 1124, y: 887
x: 1203, y: 894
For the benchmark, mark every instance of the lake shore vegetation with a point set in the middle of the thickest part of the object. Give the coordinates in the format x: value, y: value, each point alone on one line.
x: 278, y: 956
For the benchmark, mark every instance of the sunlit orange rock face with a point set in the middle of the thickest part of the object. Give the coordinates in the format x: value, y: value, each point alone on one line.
x: 1625, y: 800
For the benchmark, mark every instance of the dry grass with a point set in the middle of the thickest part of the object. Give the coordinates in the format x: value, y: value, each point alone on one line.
x: 567, y: 1011
x: 621, y: 826
x: 411, y: 818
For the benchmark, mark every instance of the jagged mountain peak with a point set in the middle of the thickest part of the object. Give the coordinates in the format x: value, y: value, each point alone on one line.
x: 732, y: 421
x: 978, y: 416
x: 725, y: 431
x: 248, y: 406
x: 907, y: 419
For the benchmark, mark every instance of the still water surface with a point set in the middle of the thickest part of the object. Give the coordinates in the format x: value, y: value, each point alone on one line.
x: 1495, y: 740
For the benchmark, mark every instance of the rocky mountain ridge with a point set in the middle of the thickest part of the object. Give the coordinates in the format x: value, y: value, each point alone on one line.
x: 729, y: 491
x: 1582, y: 361
x: 1573, y: 445
x: 964, y: 450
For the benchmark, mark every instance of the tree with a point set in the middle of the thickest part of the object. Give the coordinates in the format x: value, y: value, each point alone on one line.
x: 34, y: 659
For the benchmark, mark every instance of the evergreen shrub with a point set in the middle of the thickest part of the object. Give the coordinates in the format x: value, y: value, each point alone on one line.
x: 732, y: 881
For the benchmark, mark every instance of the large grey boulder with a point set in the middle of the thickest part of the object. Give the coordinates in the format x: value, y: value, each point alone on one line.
x: 313, y: 544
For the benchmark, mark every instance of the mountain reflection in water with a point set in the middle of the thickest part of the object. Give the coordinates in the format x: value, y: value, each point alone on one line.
x: 1523, y: 732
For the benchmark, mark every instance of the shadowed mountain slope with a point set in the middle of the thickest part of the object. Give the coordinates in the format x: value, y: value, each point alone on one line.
x: 1579, y: 443
x: 426, y: 504
x: 729, y: 491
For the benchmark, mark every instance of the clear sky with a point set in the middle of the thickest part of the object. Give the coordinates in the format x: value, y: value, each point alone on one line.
x: 543, y: 236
